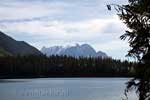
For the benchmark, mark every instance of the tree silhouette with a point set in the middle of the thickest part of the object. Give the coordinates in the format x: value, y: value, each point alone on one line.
x: 63, y: 66
x: 136, y: 16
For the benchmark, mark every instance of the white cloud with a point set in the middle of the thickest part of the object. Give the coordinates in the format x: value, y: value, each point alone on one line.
x: 27, y: 10
x: 59, y: 22
x: 82, y: 30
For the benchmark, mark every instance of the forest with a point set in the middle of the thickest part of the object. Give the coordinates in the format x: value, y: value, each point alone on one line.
x: 63, y: 66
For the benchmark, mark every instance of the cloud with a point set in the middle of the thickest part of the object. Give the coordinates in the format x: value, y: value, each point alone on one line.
x: 59, y: 22
x: 103, y: 34
x: 27, y: 10
x: 81, y: 30
x: 54, y: 9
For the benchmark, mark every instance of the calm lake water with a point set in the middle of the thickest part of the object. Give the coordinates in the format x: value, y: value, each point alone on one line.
x: 64, y: 89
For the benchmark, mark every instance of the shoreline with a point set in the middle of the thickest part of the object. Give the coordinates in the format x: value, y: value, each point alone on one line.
x: 19, y: 77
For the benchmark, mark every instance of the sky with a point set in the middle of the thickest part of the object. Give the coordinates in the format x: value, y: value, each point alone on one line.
x: 65, y: 22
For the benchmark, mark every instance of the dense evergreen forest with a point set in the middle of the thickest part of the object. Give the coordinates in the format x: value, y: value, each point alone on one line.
x: 63, y: 66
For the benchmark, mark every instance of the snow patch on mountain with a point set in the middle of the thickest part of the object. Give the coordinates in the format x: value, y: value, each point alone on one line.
x: 76, y: 50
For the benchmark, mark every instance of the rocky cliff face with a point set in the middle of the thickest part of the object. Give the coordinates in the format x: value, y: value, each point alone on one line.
x: 84, y: 50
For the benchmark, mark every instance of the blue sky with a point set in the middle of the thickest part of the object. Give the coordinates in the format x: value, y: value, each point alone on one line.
x: 65, y: 22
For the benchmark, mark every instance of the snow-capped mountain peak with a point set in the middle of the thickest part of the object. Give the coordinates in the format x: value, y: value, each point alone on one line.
x: 76, y: 50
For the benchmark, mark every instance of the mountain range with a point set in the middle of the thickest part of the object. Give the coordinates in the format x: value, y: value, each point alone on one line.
x: 84, y: 50
x: 9, y: 46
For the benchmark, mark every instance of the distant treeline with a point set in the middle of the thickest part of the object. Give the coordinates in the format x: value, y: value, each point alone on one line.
x: 63, y: 66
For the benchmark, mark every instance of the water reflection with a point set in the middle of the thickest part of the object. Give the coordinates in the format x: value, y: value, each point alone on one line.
x: 64, y: 89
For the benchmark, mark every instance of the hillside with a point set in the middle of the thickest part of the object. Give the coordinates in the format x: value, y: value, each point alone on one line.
x: 9, y: 46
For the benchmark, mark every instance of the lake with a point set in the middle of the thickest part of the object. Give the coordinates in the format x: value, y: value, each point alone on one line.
x: 64, y: 89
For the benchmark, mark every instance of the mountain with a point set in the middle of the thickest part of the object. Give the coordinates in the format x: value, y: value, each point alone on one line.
x: 84, y: 50
x: 9, y: 46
